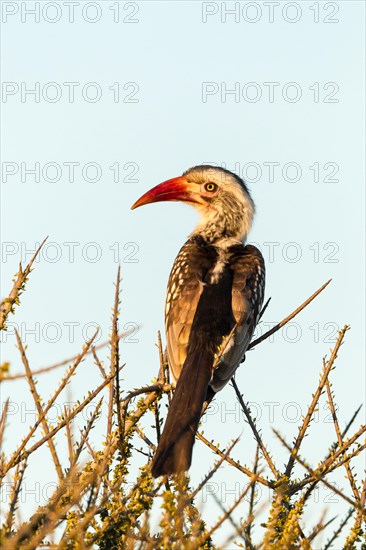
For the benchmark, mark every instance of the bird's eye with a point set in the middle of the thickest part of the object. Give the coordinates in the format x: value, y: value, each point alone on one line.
x: 210, y: 187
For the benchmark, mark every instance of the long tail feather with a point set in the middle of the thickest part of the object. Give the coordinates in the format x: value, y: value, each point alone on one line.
x: 174, y: 452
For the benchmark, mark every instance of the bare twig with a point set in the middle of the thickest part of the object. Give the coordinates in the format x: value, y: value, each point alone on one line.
x: 250, y: 516
x: 340, y: 440
x: 234, y: 463
x: 65, y: 361
x: 320, y: 526
x: 74, y: 412
x: 70, y: 444
x: 332, y: 463
x: 339, y: 530
x: 98, y: 363
x: 350, y: 422
x: 334, y: 446
x: 161, y: 360
x: 228, y: 513
x: 16, y: 456
x: 38, y: 403
x: 7, y: 305
x: 263, y: 310
x: 251, y: 423
x: 148, y: 389
x: 115, y: 353
x: 3, y: 420
x: 303, y: 428
x: 144, y: 438
x: 86, y: 431
x: 314, y: 475
x: 114, y: 358
x: 288, y: 318
x: 360, y: 517
x: 32, y: 533
x: 214, y: 469
x: 238, y: 530
x: 18, y: 480
x: 161, y: 380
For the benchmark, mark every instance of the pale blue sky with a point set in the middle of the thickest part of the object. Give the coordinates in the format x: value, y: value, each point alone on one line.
x: 168, y: 53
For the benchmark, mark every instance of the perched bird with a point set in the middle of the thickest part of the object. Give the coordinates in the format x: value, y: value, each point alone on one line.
x: 214, y: 297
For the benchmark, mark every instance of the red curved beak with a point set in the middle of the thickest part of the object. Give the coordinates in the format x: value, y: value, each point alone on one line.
x: 175, y: 189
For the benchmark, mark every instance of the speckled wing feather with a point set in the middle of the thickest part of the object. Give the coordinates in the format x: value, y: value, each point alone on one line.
x: 185, y: 286
x: 210, y: 308
x: 247, y: 265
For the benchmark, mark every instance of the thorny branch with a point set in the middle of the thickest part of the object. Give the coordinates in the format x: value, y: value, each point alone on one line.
x: 7, y: 305
x: 95, y: 503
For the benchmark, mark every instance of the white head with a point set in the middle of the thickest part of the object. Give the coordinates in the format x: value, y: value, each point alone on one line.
x: 221, y: 197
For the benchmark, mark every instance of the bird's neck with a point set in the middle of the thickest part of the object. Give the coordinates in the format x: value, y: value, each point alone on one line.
x: 216, y: 229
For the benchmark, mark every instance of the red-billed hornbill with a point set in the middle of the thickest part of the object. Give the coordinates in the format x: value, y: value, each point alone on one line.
x: 214, y: 297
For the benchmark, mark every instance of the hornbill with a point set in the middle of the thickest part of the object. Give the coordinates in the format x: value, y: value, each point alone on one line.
x: 214, y: 297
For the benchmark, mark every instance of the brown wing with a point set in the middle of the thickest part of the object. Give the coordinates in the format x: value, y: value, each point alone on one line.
x: 247, y: 265
x: 185, y: 286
